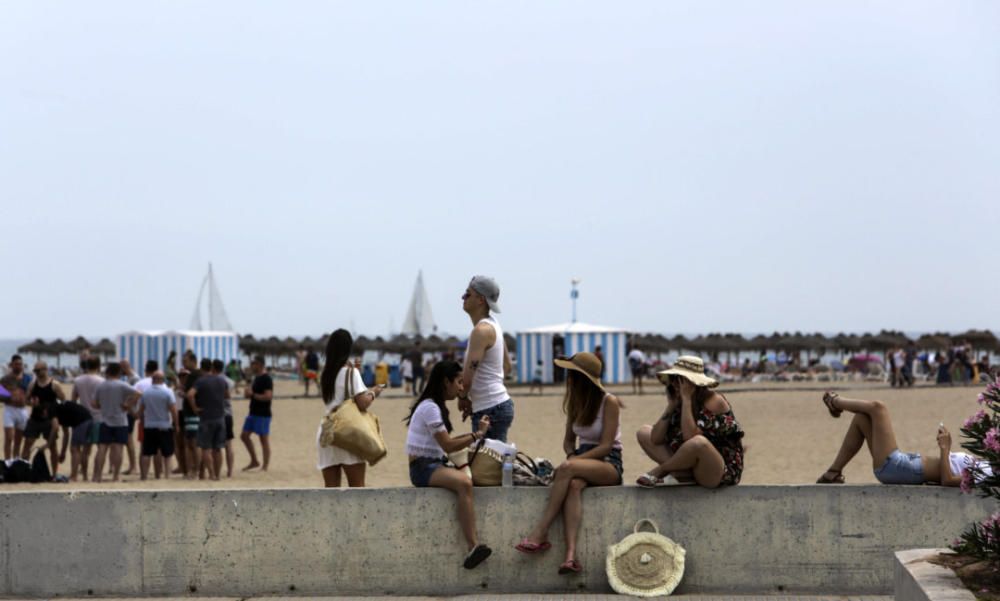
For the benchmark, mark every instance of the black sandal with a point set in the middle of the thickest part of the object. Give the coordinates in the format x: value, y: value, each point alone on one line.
x: 828, y: 399
x: 838, y: 479
x: 476, y: 556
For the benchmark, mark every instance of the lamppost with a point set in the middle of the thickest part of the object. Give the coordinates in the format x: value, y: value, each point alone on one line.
x: 574, y: 294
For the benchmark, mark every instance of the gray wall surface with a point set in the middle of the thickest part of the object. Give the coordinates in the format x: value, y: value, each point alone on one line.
x: 406, y: 541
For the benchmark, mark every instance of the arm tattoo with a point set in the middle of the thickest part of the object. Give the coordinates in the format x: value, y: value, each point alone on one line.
x: 474, y: 365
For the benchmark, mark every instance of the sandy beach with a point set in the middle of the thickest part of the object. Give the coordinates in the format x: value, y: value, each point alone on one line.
x: 791, y: 439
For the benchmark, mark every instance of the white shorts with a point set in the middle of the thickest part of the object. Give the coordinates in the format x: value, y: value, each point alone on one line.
x: 15, y: 417
x: 330, y: 456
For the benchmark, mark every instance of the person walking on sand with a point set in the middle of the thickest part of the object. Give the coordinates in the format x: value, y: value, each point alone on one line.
x: 429, y: 439
x: 487, y: 361
x: 341, y: 378
x: 260, y: 394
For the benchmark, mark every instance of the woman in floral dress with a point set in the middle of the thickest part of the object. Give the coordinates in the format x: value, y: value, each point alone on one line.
x: 697, y: 437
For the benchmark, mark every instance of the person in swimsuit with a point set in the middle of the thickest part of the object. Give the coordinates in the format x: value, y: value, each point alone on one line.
x: 697, y: 436
x: 872, y: 424
x: 592, y: 420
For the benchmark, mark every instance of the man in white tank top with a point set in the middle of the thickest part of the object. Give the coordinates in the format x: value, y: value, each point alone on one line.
x: 487, y: 362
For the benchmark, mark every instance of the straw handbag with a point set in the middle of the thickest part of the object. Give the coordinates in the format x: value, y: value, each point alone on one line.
x: 486, y: 463
x: 645, y: 564
x: 352, y: 429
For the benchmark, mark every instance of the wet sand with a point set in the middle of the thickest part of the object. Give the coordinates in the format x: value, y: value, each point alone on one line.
x: 791, y: 438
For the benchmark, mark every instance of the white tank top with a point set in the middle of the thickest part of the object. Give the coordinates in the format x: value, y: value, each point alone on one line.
x: 592, y: 434
x: 487, y: 388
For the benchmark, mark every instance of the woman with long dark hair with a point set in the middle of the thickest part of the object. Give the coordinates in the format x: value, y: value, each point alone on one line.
x: 697, y: 436
x: 592, y: 420
x: 339, y: 381
x: 429, y: 440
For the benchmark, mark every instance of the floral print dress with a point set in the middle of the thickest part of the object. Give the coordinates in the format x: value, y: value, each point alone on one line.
x: 722, y: 430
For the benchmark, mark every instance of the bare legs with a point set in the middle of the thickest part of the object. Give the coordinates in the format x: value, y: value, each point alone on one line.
x: 461, y: 485
x: 104, y: 451
x: 699, y: 456
x: 12, y: 438
x: 565, y: 496
x: 265, y: 449
x: 355, y: 475
x: 871, y: 424
x: 212, y: 459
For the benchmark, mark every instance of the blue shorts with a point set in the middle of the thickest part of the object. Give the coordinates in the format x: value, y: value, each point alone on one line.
x: 901, y: 468
x: 614, y: 458
x: 113, y: 434
x: 257, y: 424
x: 501, y: 417
x: 421, y: 469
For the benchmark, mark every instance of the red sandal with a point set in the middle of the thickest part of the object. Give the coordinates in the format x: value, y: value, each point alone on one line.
x: 526, y: 546
x: 570, y: 567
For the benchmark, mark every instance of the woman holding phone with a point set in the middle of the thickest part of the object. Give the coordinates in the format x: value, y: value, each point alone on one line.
x: 429, y: 440
x: 341, y: 379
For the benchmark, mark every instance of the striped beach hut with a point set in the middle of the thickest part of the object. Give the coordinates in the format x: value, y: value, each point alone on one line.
x: 140, y: 346
x: 537, y: 344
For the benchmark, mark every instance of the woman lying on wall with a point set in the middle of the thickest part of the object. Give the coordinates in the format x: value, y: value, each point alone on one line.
x: 697, y: 436
x: 872, y: 424
x: 429, y: 440
x: 593, y: 455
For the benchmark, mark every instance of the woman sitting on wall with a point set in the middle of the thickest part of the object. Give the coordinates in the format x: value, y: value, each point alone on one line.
x: 697, y: 435
x: 872, y: 424
x: 428, y: 441
x: 592, y: 419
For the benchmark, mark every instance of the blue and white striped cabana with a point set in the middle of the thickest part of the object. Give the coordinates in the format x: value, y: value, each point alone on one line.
x: 536, y: 344
x: 140, y: 346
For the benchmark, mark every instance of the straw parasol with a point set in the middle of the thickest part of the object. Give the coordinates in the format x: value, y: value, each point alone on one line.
x: 979, y: 339
x: 105, y: 348
x: 79, y: 344
x: 935, y: 341
x: 35, y: 347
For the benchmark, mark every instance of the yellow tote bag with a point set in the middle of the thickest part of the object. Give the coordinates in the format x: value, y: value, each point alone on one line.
x: 352, y: 429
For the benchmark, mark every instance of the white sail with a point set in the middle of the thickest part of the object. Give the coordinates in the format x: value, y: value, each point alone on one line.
x: 218, y: 321
x: 419, y: 319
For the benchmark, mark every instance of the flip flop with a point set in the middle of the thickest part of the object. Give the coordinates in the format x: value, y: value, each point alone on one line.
x: 671, y: 480
x: 526, y: 546
x: 570, y: 567
x: 648, y: 480
x: 476, y: 556
x: 828, y: 398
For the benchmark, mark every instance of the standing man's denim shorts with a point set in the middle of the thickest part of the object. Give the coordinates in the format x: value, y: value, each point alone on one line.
x: 501, y: 417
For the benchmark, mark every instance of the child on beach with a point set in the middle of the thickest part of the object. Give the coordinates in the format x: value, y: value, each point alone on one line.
x: 697, y: 436
x: 592, y: 420
x: 429, y: 439
x: 872, y: 424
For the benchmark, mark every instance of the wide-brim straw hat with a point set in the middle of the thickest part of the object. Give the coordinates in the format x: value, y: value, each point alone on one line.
x: 645, y: 564
x: 586, y: 363
x: 690, y: 367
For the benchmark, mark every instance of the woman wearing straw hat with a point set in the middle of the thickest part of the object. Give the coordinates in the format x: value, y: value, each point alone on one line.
x: 592, y: 420
x: 697, y: 434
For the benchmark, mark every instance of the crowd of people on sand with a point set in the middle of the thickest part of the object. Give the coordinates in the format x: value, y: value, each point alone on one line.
x: 185, y: 414
x: 696, y: 440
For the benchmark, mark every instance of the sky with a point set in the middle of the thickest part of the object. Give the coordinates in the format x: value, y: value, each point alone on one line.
x: 699, y: 166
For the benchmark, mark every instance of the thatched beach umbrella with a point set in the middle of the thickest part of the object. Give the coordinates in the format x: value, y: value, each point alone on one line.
x: 79, y: 344
x: 36, y: 347
x: 934, y: 342
x: 105, y: 348
x: 846, y: 342
x: 979, y: 339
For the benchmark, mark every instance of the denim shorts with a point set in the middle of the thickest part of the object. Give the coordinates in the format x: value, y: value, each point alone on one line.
x: 113, y: 434
x: 614, y: 458
x: 901, y: 468
x: 421, y: 469
x: 501, y: 417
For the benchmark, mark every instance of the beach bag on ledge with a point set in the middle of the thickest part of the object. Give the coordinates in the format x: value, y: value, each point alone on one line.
x: 487, y: 461
x: 645, y: 564
x: 532, y: 472
x: 356, y: 431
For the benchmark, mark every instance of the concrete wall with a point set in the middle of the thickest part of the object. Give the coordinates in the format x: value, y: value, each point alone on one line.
x: 745, y: 539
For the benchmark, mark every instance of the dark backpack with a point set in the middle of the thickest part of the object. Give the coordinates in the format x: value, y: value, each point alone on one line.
x: 40, y: 468
x: 17, y: 470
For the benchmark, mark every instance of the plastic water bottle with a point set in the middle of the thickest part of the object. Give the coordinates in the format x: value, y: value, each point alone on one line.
x: 507, y: 477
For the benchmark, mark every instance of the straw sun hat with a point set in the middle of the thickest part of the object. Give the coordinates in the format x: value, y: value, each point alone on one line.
x: 645, y: 564
x: 586, y: 363
x: 690, y: 367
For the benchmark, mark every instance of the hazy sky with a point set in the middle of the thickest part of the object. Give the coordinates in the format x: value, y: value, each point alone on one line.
x: 701, y: 166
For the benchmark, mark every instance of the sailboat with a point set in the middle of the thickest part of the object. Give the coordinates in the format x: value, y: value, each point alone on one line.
x: 217, y: 319
x: 419, y: 319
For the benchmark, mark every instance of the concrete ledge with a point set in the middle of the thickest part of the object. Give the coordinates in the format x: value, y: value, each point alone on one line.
x: 919, y: 580
x: 406, y: 541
